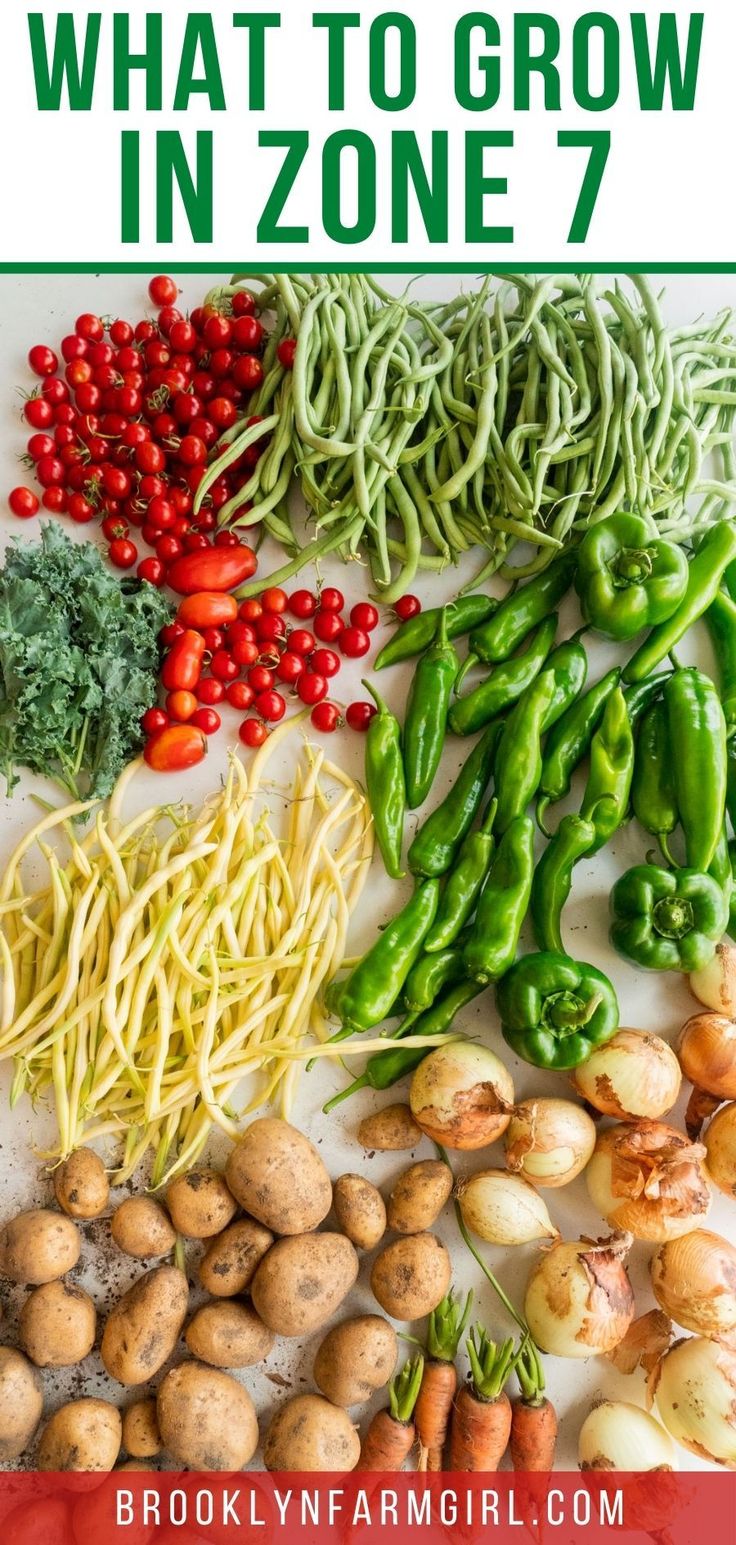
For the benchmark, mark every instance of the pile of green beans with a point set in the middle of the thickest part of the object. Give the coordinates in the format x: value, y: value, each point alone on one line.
x: 416, y: 431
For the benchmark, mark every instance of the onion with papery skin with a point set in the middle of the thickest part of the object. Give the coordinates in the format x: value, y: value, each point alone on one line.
x: 618, y: 1436
x: 707, y: 1053
x: 695, y: 1391
x: 462, y: 1096
x: 720, y: 1146
x: 579, y: 1301
x: 645, y: 1343
x: 648, y: 1178
x: 549, y: 1141
x: 634, y: 1076
x: 715, y: 984
x: 694, y: 1280
x: 504, y: 1209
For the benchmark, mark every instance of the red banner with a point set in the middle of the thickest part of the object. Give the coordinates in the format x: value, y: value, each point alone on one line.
x: 126, y: 1508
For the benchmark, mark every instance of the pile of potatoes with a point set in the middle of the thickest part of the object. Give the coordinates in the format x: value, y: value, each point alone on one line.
x: 269, y: 1269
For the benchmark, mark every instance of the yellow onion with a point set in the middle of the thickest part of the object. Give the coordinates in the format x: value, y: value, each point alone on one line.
x: 579, y: 1301
x: 707, y: 1053
x: 648, y: 1178
x: 635, y: 1075
x: 715, y: 984
x: 461, y: 1095
x: 720, y: 1145
x: 504, y: 1209
x: 549, y: 1141
x: 694, y: 1281
x: 619, y: 1436
x: 695, y: 1391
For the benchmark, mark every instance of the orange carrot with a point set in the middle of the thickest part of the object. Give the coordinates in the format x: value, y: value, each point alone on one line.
x: 481, y: 1421
x: 390, y: 1436
x: 439, y: 1382
x: 533, y: 1434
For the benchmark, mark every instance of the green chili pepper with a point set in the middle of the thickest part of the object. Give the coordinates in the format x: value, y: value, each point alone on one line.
x: 492, y: 946
x: 731, y: 783
x: 463, y: 886
x: 569, y: 666
x: 667, y: 919
x: 732, y: 892
x: 716, y: 552
x: 431, y: 975
x: 384, y: 777
x: 639, y: 697
x: 554, y: 1010
x: 606, y: 798
x: 415, y: 635
x: 552, y: 884
x: 372, y: 988
x: 628, y: 578
x: 497, y: 638
x: 569, y: 741
x: 438, y: 841
x: 653, y: 786
x: 505, y: 684
x: 519, y: 755
x: 425, y: 726
x: 720, y: 620
x: 697, y: 731
x: 720, y: 868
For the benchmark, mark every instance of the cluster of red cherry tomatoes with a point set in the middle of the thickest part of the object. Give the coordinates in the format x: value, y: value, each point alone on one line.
x: 122, y: 434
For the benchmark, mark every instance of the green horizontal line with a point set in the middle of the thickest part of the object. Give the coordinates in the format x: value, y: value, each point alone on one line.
x: 328, y: 265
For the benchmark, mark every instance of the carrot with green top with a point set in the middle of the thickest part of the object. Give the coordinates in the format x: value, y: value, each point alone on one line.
x: 481, y: 1422
x: 533, y: 1417
x: 390, y: 1436
x: 439, y: 1381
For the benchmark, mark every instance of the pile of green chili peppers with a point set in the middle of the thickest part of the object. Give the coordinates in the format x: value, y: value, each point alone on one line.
x: 655, y: 737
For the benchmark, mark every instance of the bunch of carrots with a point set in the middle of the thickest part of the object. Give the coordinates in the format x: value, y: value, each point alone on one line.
x: 425, y: 1404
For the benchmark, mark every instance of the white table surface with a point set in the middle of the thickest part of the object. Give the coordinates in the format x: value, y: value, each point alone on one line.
x: 42, y: 309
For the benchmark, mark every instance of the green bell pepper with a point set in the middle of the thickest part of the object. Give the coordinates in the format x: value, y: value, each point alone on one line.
x: 667, y: 919
x: 554, y: 1010
x: 628, y: 578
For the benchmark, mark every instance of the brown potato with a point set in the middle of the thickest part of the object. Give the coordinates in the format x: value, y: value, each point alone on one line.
x: 418, y: 1196
x: 21, y: 1403
x: 57, y: 1325
x: 391, y: 1130
x: 355, y: 1359
x: 141, y: 1228
x: 411, y: 1276
x: 278, y: 1177
x: 200, y: 1203
x: 308, y: 1433
x: 360, y: 1210
x: 206, y: 1418
x: 81, y: 1435
x: 141, y: 1437
x: 302, y: 1281
x: 230, y: 1260
x: 38, y: 1246
x: 81, y: 1186
x: 145, y: 1324
x: 227, y: 1334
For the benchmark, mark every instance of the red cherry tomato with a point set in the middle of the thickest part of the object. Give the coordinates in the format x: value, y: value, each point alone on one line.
x: 300, y: 641
x: 253, y: 732
x: 243, y: 303
x: 244, y: 651
x: 270, y: 629
x: 311, y: 688
x: 359, y: 715
x: 407, y: 606
x: 152, y: 570
x: 325, y: 662
x: 180, y: 706
x: 89, y: 327
x: 331, y: 600
x: 182, y: 667
x: 42, y: 360
x: 325, y: 717
x: 223, y: 666
x: 248, y: 372
x: 240, y: 633
x: 207, y: 720
x: 192, y: 451
x: 260, y: 678
x: 154, y: 719
x: 163, y: 290
x: 250, y: 610
x: 210, y: 691
x: 168, y: 548
x: 170, y: 633
x: 214, y: 639
x: 240, y: 695
x: 177, y: 747
x: 286, y: 353
x: 290, y: 666
x: 270, y: 705
x: 207, y: 609
x: 38, y: 413
x: 247, y: 333
x: 354, y: 643
x: 364, y: 616
x: 56, y: 500
x: 23, y: 502
x: 302, y: 604
x: 328, y: 626
x: 114, y: 526
x: 121, y: 552
x: 274, y: 600
x: 82, y: 510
